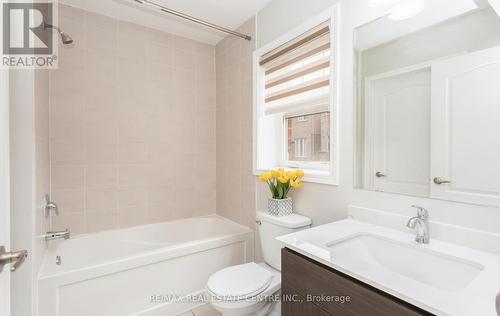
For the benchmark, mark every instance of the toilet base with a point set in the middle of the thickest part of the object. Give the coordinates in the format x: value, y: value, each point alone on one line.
x: 269, y: 309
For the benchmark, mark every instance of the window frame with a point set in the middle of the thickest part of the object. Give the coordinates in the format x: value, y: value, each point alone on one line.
x: 316, y: 172
x: 302, y: 151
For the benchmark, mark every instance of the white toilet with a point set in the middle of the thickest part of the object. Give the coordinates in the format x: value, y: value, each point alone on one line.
x: 251, y: 288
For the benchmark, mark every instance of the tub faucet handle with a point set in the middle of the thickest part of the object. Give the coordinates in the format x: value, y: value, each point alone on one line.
x: 49, y: 206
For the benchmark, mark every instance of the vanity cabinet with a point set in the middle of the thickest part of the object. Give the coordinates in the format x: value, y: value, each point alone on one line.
x: 312, y: 289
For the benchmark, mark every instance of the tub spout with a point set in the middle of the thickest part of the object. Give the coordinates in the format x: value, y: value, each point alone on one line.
x: 65, y: 234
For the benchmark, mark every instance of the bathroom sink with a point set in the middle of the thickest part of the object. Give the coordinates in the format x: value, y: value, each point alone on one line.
x: 372, y: 253
x: 439, y: 277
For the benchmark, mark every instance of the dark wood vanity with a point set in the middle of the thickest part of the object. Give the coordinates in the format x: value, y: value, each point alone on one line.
x: 313, y: 289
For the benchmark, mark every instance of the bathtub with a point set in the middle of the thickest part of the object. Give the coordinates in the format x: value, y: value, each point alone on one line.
x: 158, y: 269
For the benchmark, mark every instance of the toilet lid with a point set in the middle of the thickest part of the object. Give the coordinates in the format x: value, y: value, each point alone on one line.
x: 239, y: 282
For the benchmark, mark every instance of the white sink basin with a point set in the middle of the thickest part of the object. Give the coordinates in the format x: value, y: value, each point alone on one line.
x: 367, y: 252
x: 439, y: 277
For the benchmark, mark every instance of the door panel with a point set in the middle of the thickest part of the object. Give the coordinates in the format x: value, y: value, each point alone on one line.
x: 399, y: 107
x: 4, y: 191
x: 465, y: 128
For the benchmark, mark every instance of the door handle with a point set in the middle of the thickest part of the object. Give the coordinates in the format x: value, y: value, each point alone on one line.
x: 380, y: 174
x: 440, y: 181
x: 15, y: 258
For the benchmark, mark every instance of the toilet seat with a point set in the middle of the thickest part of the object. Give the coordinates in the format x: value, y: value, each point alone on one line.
x: 239, y: 282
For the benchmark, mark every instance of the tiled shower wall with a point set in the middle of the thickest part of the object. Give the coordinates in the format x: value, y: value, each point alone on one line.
x: 133, y: 125
x: 235, y: 182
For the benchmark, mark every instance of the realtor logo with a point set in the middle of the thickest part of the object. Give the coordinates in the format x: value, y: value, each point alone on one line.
x: 27, y: 37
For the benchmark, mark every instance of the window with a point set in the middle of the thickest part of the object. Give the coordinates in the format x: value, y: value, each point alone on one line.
x: 295, y: 101
x: 300, y: 148
x: 310, y: 141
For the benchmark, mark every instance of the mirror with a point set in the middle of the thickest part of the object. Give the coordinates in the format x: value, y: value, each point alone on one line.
x: 428, y: 101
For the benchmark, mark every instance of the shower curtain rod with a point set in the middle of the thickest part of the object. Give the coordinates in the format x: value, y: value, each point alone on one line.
x: 193, y: 19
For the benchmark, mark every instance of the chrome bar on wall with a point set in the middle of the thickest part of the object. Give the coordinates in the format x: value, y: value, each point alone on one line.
x: 193, y: 19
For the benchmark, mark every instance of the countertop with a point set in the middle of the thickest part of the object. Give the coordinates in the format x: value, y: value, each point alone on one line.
x: 476, y: 299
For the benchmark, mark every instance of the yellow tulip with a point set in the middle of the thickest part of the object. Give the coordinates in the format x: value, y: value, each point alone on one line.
x: 296, y: 184
x: 290, y: 175
x: 265, y: 177
x: 274, y: 174
x: 299, y: 173
x: 283, y: 179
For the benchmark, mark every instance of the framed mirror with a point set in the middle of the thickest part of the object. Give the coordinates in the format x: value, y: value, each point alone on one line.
x: 428, y: 101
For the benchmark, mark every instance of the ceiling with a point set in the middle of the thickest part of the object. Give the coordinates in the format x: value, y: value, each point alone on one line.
x: 227, y: 13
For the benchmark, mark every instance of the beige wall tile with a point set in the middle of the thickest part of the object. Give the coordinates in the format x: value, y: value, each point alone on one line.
x: 101, y: 176
x: 161, y: 173
x: 101, y: 131
x: 67, y: 177
x: 132, y: 153
x: 235, y: 182
x: 67, y: 153
x: 206, y: 193
x: 71, y: 57
x: 101, y: 199
x: 101, y: 220
x: 185, y: 44
x: 133, y: 114
x: 184, y: 203
x: 158, y: 214
x: 132, y: 216
x: 69, y: 201
x: 101, y: 153
x: 159, y: 53
x: 133, y: 196
x: 133, y: 174
x: 184, y: 59
x: 75, y: 222
x: 101, y: 104
x: 66, y: 82
x: 72, y: 13
x: 160, y: 38
x: 161, y: 195
x: 67, y: 129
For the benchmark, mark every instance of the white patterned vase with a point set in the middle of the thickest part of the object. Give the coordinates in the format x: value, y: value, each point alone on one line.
x: 278, y: 207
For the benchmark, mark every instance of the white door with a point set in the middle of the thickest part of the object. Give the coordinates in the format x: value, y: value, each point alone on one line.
x: 398, y: 132
x: 4, y: 191
x: 465, y: 128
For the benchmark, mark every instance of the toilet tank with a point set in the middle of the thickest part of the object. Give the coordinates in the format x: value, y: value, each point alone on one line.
x: 270, y: 227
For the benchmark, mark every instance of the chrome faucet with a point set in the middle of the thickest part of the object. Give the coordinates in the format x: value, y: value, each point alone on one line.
x: 64, y: 234
x: 421, y: 223
x: 50, y: 206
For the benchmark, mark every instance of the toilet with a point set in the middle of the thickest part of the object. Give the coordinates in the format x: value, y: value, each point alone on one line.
x: 254, y: 288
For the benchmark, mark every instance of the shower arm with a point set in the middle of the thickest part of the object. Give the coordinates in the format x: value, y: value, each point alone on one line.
x: 193, y: 19
x: 50, y: 26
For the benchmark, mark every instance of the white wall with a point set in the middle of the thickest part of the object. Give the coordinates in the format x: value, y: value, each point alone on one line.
x: 22, y: 180
x: 29, y: 150
x: 279, y: 16
x: 328, y: 203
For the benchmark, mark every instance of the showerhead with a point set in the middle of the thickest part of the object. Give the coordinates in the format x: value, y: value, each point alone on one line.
x: 65, y: 37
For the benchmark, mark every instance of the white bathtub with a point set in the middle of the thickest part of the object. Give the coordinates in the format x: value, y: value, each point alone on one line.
x: 119, y: 272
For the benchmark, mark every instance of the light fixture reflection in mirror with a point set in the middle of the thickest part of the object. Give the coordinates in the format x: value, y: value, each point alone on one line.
x: 380, y: 3
x: 406, y: 10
